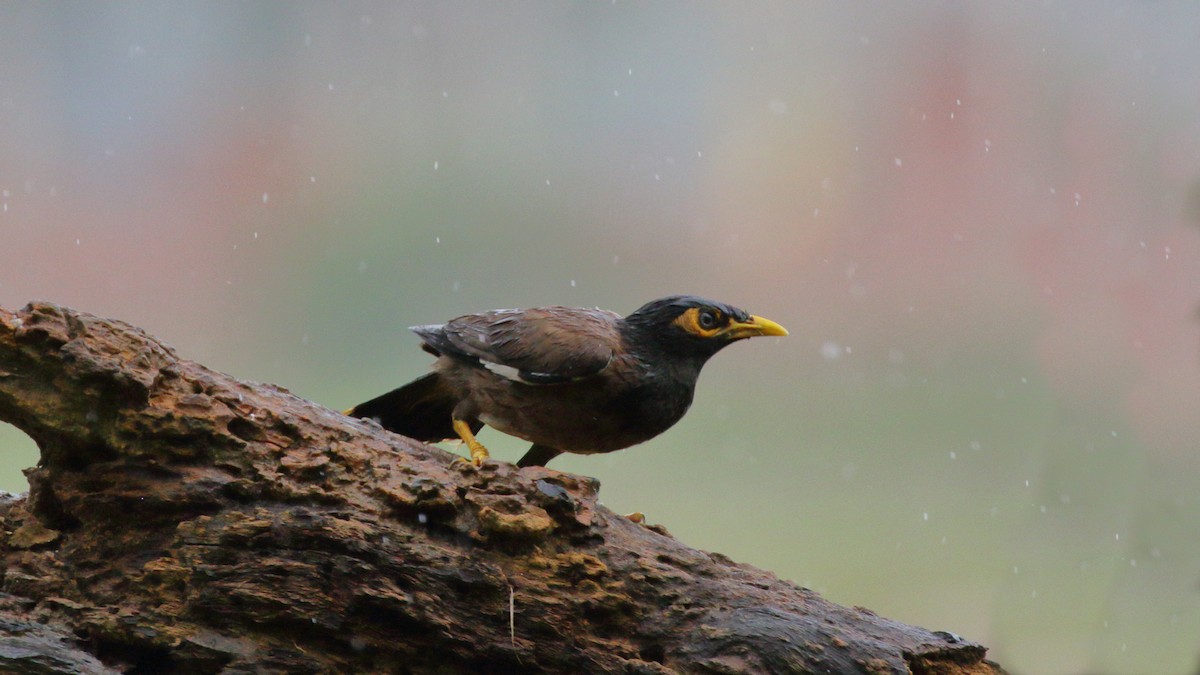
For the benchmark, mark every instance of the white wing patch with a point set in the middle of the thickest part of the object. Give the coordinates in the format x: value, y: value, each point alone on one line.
x: 507, y: 372
x: 524, y: 376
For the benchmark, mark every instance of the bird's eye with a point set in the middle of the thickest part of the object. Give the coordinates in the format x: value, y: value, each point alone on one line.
x: 708, y: 319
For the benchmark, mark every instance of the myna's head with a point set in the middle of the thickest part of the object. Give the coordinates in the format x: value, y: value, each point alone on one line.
x: 688, y: 325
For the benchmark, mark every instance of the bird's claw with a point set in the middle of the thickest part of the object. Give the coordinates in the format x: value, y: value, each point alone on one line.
x: 473, y: 461
x: 478, y: 453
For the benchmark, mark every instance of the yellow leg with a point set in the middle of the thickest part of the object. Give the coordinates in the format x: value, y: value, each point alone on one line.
x: 478, y: 452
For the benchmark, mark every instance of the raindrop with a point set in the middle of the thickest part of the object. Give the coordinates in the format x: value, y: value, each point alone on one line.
x: 266, y: 197
x: 953, y: 455
x: 572, y: 283
x: 435, y: 165
x: 899, y: 162
x: 830, y: 350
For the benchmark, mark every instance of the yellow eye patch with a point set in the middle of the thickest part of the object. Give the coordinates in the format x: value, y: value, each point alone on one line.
x: 690, y: 322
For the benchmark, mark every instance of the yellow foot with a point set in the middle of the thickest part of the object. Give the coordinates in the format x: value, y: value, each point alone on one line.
x: 478, y: 452
x: 637, y: 517
x: 463, y: 460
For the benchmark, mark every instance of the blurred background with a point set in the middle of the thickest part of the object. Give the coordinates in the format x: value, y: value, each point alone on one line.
x: 980, y: 222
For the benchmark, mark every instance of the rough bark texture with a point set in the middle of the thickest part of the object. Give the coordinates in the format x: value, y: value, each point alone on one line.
x: 181, y: 520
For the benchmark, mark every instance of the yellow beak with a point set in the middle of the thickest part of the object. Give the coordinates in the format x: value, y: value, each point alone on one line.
x: 755, y: 327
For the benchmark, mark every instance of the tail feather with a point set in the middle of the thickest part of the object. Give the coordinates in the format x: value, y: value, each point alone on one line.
x: 420, y: 409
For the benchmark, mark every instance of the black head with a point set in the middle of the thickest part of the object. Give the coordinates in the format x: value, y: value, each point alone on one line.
x: 695, y: 327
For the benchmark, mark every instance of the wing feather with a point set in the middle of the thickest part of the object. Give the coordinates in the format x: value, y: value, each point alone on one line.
x: 546, y: 345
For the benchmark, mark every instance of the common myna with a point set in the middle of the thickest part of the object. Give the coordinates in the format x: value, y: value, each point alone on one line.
x: 566, y: 379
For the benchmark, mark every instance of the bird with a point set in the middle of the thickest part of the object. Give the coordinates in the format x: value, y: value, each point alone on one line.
x: 566, y: 379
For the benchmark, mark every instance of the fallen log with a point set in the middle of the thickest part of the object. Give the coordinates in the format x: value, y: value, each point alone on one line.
x: 181, y: 520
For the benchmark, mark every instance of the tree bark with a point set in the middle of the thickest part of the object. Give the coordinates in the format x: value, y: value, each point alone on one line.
x: 181, y: 520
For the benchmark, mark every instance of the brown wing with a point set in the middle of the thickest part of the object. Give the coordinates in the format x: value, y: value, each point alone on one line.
x: 546, y: 345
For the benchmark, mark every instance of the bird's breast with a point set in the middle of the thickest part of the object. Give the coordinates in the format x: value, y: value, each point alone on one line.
x: 596, y: 415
